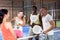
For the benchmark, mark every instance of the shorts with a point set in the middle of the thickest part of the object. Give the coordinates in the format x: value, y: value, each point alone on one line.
x: 32, y: 34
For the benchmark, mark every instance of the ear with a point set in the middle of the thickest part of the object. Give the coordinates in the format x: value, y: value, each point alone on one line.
x: 5, y: 15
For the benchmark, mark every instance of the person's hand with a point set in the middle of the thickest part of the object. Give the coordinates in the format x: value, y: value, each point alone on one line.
x: 44, y: 32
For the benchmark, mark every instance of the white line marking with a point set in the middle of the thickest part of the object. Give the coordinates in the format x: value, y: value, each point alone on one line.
x: 57, y: 31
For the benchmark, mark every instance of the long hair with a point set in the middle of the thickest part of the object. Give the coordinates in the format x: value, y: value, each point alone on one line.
x: 2, y: 14
x: 22, y: 17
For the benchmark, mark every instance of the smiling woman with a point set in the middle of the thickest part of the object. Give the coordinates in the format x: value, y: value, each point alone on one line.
x: 4, y: 16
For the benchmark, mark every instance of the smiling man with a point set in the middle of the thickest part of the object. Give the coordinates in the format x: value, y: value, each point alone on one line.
x: 48, y: 23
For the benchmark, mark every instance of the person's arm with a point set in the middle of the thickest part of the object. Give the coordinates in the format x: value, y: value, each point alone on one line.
x: 52, y: 24
x: 11, y: 29
x: 13, y: 19
x: 40, y: 19
x: 24, y: 22
x: 28, y: 19
x: 50, y: 28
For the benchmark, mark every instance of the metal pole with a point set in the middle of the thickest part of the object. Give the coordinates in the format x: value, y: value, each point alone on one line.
x: 12, y: 8
x: 54, y: 14
x: 23, y: 5
x: 42, y: 3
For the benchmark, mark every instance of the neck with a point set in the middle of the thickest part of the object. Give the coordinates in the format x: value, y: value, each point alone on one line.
x: 35, y: 13
x: 0, y: 25
x: 45, y: 14
x: 19, y: 17
x: 4, y: 20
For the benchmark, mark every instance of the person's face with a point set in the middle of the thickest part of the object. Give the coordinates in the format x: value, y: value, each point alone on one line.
x: 20, y: 14
x: 43, y: 11
x: 7, y: 16
x: 34, y: 10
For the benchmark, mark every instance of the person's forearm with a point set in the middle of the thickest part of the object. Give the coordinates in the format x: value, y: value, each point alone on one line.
x: 49, y: 29
x: 12, y: 20
x: 14, y: 34
x: 23, y: 24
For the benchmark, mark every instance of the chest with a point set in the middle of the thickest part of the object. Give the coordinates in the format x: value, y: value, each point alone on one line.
x: 18, y: 21
x: 33, y: 17
x: 45, y: 19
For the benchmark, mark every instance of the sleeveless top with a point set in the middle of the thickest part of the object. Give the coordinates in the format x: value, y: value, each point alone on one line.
x: 17, y: 26
x: 7, y: 35
x: 34, y: 19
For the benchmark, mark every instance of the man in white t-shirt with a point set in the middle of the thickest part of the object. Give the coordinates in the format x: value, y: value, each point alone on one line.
x: 48, y: 23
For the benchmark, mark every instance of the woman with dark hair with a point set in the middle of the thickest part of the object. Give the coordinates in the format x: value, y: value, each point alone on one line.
x: 6, y: 27
x: 35, y: 19
x: 1, y: 37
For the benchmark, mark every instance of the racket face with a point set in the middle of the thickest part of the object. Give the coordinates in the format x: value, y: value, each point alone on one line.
x: 37, y: 29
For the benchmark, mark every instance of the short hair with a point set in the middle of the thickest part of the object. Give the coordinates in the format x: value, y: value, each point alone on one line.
x: 34, y: 7
x: 44, y: 8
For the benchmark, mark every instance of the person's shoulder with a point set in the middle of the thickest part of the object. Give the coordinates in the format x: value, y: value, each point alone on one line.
x: 48, y: 15
x: 24, y: 17
x: 39, y: 14
x: 8, y: 23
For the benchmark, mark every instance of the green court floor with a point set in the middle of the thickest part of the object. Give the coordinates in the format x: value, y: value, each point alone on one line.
x: 58, y: 24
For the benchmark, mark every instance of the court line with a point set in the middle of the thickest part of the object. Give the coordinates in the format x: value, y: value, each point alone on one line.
x: 56, y: 30
x: 54, y: 10
x: 26, y: 37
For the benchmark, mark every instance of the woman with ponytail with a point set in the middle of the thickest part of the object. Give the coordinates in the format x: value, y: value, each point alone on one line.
x: 6, y: 27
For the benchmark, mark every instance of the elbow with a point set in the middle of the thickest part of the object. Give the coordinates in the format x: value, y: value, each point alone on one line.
x: 23, y: 24
x: 53, y: 25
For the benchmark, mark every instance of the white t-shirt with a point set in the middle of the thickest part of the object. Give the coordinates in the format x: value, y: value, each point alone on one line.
x: 46, y: 23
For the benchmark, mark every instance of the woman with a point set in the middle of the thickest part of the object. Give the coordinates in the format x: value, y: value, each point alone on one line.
x: 35, y: 19
x: 19, y: 21
x: 6, y: 27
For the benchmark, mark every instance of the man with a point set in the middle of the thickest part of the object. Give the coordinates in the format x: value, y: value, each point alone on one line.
x: 35, y: 19
x: 48, y: 23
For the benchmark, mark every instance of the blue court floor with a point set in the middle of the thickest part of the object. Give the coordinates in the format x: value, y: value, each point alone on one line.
x: 57, y: 34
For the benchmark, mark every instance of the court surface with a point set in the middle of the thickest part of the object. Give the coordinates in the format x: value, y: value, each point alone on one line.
x: 57, y: 33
